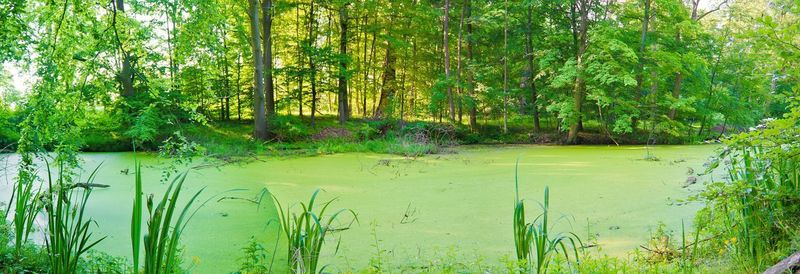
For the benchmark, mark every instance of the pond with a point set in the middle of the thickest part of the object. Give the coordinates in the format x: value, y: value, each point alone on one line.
x: 412, y: 211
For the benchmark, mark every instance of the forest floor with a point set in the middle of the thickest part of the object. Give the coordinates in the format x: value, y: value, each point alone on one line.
x: 292, y: 136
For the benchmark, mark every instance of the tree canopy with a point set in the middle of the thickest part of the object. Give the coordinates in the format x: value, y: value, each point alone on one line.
x: 676, y: 69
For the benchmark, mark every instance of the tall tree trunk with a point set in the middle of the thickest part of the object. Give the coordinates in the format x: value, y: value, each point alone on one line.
x: 170, y: 53
x: 473, y: 108
x: 580, y: 25
x: 344, y: 108
x: 226, y: 114
x: 299, y: 65
x: 388, y: 89
x: 259, y: 114
x: 312, y: 40
x: 707, y: 103
x: 239, y: 87
x: 374, y: 89
x: 446, y: 49
x: 529, y: 70
x: 637, y: 95
x: 365, y: 67
x: 413, y: 102
x: 459, y: 64
x: 505, y: 69
x: 352, y: 89
x: 126, y: 74
x: 676, y: 93
x: 676, y: 88
x: 269, y: 92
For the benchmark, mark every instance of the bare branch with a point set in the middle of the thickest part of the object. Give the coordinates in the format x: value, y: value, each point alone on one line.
x: 719, y: 6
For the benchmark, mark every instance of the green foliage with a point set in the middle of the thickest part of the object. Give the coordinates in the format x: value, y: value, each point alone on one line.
x: 145, y: 126
x: 288, y: 128
x: 9, y: 133
x: 35, y: 259
x: 755, y: 209
x: 180, y: 152
x: 366, y: 131
x: 13, y: 29
x: 256, y: 259
x: 102, y: 133
x: 27, y: 258
x: 98, y: 262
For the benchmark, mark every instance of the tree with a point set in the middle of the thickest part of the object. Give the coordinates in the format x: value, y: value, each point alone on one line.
x: 446, y: 49
x: 259, y: 113
x: 266, y: 9
x: 473, y: 109
x: 530, y: 74
x: 126, y: 74
x: 696, y: 16
x: 579, y: 13
x: 344, y: 108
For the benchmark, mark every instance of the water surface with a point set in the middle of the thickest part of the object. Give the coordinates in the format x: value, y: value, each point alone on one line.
x: 413, y: 211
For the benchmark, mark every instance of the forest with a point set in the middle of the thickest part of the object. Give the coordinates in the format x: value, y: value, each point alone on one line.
x: 398, y: 111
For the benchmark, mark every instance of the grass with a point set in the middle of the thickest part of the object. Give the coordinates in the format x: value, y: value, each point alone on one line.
x: 306, y: 232
x: 534, y: 243
x: 161, y: 250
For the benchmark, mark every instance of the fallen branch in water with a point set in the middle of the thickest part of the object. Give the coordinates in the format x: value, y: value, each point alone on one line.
x: 88, y: 185
x: 789, y: 265
x: 237, y: 198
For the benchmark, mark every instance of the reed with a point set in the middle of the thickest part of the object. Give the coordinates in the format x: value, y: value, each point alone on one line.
x: 306, y: 232
x: 536, y: 245
x: 26, y: 208
x: 163, y: 231
x: 68, y: 235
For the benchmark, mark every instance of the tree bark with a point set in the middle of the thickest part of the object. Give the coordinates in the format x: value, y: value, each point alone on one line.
x: 344, y: 108
x: 365, y: 67
x: 239, y: 87
x: 637, y: 95
x: 676, y: 89
x: 388, y: 88
x: 459, y: 65
x: 126, y: 74
x: 269, y: 92
x: 260, y: 125
x: 299, y: 64
x: 530, y: 77
x: 505, y: 69
x: 311, y: 62
x: 446, y: 49
x: 473, y: 108
x: 788, y: 265
x: 580, y: 26
x: 226, y: 112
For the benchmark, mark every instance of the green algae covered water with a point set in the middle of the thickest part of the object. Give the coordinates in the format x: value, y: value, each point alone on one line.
x: 411, y: 212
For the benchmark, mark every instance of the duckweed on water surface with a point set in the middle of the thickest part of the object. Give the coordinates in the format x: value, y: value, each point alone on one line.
x: 415, y: 212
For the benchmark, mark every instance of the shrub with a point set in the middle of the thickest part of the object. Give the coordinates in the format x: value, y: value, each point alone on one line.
x: 755, y: 212
x: 366, y: 132
x: 288, y: 128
